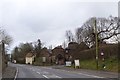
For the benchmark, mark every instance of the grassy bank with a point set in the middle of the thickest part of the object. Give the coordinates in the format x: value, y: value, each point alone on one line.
x: 111, y: 64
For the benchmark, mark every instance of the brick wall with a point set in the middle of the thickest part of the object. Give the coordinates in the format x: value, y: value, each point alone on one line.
x: 0, y: 61
x: 4, y: 60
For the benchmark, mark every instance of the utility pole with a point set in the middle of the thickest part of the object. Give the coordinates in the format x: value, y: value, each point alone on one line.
x: 96, y: 42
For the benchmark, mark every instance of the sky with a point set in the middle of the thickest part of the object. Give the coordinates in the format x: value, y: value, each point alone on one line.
x: 47, y: 20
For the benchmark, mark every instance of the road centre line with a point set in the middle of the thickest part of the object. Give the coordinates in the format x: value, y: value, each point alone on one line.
x: 38, y: 72
x: 58, y: 76
x: 45, y: 76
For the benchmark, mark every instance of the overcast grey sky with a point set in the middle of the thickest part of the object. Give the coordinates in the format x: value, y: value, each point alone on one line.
x: 29, y: 20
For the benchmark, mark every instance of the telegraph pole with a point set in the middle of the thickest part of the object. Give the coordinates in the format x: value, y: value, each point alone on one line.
x: 96, y: 42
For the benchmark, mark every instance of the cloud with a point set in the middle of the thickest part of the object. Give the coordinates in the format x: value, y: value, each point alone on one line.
x: 28, y: 20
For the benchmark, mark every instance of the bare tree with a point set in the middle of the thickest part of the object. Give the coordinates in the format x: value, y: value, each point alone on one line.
x: 5, y: 37
x: 107, y: 28
x: 78, y: 35
x: 64, y: 44
x: 69, y: 36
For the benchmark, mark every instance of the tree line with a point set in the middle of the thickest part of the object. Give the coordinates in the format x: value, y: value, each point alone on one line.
x: 107, y: 29
x: 19, y: 52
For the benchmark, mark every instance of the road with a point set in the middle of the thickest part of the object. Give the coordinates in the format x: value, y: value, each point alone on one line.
x: 29, y: 71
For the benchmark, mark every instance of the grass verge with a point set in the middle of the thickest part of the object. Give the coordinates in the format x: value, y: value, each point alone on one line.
x: 111, y: 64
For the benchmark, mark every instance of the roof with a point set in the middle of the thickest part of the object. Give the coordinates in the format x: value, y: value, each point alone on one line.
x: 29, y: 55
x: 72, y: 43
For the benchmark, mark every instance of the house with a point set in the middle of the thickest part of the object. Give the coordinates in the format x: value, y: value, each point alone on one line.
x: 30, y: 58
x: 72, y: 45
x: 72, y: 49
x: 45, y: 54
x: 59, y: 55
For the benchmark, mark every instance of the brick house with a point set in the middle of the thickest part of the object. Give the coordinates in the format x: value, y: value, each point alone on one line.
x: 59, y: 55
x: 72, y: 49
x: 46, y: 54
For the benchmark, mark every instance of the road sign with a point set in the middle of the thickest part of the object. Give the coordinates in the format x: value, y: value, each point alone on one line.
x: 77, y: 63
x: 68, y: 63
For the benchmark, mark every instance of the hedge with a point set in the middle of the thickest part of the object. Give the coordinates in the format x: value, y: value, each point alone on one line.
x: 108, y: 50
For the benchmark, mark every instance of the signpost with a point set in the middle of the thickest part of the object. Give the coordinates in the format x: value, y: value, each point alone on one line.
x: 77, y: 63
x: 68, y: 63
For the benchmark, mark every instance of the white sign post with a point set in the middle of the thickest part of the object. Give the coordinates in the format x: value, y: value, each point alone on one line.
x: 77, y: 63
x: 68, y: 63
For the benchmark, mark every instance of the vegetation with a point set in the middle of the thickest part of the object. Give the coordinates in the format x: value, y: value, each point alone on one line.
x: 88, y: 61
x: 107, y: 28
x: 20, y: 52
x: 84, y: 39
x: 111, y: 64
x: 7, y: 39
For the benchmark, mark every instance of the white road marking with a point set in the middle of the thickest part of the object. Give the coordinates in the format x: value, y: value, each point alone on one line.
x: 45, y: 76
x: 58, y: 76
x: 38, y: 72
x: 51, y: 76
x: 16, y: 74
x: 90, y: 75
